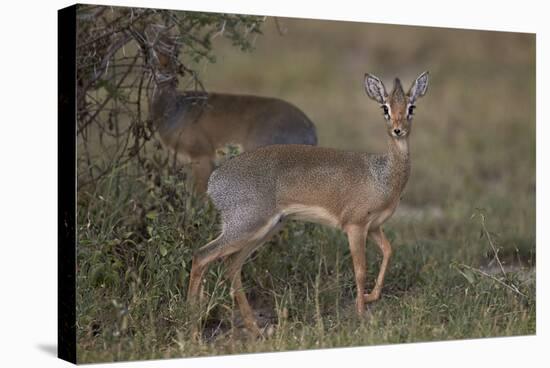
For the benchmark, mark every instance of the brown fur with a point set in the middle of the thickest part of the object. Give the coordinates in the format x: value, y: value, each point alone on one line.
x: 353, y: 191
x: 195, y: 125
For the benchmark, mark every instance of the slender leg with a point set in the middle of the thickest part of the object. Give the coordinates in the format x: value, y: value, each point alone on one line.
x: 216, y: 249
x: 237, y: 292
x: 239, y: 240
x: 357, y: 236
x: 385, y: 247
x: 235, y: 263
x: 201, y: 169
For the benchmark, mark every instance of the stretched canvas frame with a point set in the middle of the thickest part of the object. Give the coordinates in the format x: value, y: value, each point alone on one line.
x: 471, y: 274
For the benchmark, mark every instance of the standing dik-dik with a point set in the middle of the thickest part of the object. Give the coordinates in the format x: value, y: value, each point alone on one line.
x: 194, y: 125
x: 353, y: 191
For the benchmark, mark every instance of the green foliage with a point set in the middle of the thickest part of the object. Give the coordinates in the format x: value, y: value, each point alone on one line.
x: 197, y: 30
x: 472, y: 148
x: 136, y: 239
x: 118, y: 67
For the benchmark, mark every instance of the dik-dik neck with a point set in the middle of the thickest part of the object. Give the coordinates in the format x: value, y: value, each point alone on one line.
x: 163, y: 100
x: 399, y: 161
x: 164, y: 90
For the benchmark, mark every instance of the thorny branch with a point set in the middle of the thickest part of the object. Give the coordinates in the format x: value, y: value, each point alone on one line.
x: 505, y: 280
x: 118, y: 70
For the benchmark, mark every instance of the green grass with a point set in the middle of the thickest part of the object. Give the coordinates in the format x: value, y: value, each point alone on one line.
x: 135, y: 246
x: 473, y: 152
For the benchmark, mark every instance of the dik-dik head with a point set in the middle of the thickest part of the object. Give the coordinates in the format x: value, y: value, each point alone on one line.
x: 162, y: 58
x: 398, y: 106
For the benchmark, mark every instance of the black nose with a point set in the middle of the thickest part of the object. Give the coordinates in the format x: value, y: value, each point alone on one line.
x: 397, y: 131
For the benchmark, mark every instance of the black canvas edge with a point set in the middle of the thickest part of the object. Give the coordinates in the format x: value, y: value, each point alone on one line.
x: 66, y: 185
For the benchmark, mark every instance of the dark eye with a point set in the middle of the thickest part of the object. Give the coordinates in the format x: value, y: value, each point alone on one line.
x: 411, y: 109
x: 386, y: 111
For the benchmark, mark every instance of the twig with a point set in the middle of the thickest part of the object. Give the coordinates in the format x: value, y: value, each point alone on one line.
x: 221, y: 31
x: 107, y: 99
x: 512, y: 287
x: 103, y: 68
x: 116, y: 30
x: 495, y: 251
x: 282, y: 30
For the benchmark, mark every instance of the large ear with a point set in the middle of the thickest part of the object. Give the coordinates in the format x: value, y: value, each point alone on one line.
x: 419, y: 87
x: 375, y: 88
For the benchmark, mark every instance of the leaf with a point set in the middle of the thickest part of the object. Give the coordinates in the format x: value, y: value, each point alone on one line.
x: 152, y: 215
x: 469, y: 275
x: 163, y: 250
x: 97, y: 274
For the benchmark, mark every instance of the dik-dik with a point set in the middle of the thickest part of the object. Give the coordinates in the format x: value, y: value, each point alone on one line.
x: 352, y: 191
x: 194, y: 125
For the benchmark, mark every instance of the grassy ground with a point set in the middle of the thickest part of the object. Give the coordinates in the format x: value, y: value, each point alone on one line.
x: 472, y: 183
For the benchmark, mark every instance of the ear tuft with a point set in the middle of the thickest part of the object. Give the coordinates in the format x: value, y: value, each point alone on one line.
x: 375, y: 88
x: 419, y: 87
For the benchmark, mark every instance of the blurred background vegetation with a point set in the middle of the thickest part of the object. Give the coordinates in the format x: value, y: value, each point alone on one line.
x: 471, y: 194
